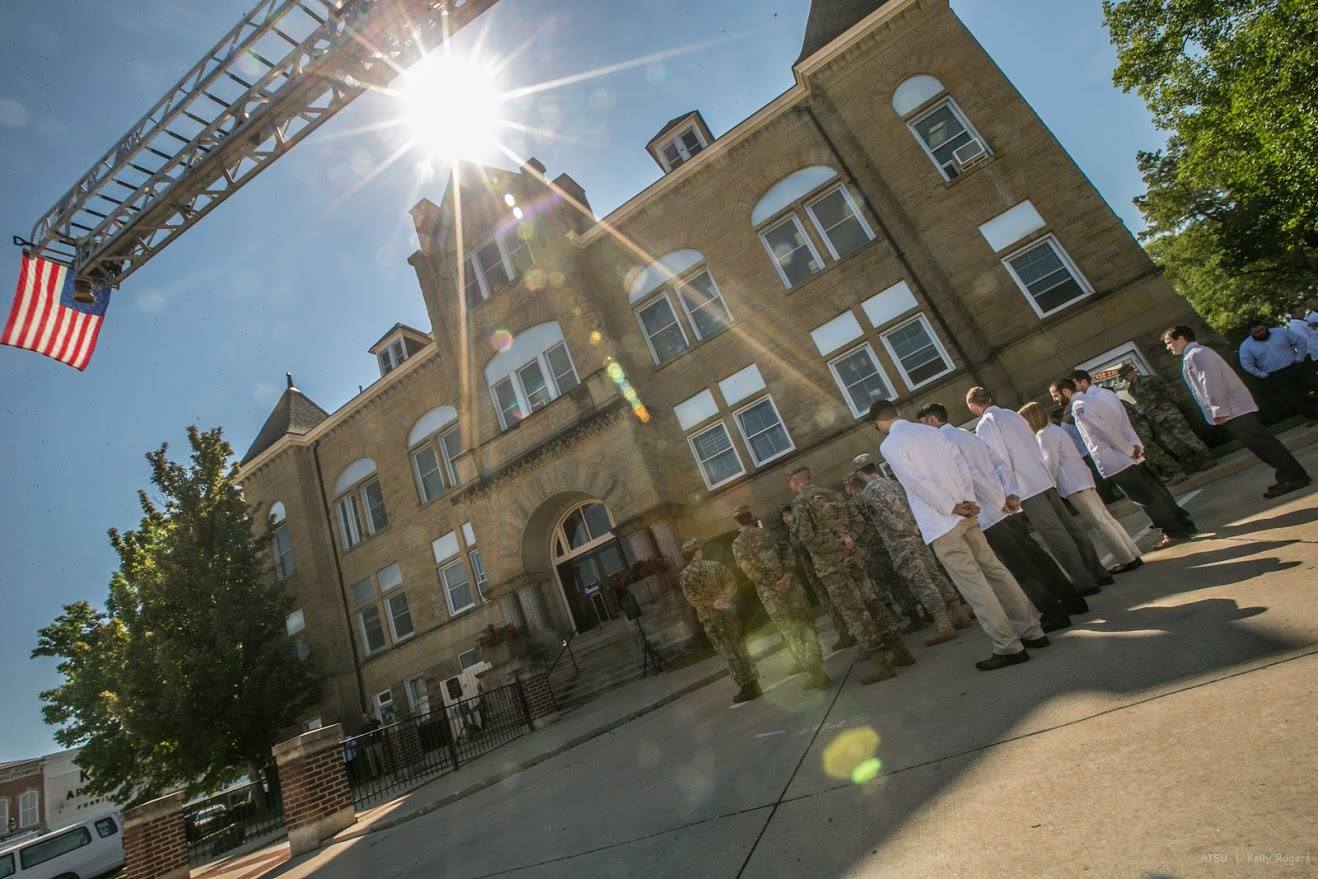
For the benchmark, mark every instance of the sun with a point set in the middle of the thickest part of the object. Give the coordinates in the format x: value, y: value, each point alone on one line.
x: 451, y: 105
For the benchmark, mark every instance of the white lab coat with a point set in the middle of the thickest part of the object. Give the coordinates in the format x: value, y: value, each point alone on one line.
x: 1010, y: 438
x: 1215, y: 386
x: 1067, y: 468
x: 1108, y: 434
x: 987, y: 472
x: 932, y: 473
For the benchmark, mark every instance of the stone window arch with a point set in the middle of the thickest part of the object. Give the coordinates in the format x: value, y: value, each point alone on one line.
x: 677, y: 304
x: 433, y: 444
x: 811, y: 197
x: 939, y: 126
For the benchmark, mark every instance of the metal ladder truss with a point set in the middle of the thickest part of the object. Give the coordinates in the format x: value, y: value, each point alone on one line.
x: 278, y: 75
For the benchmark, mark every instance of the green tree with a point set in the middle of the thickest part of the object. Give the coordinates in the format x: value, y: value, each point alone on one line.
x: 1235, y: 82
x: 188, y: 678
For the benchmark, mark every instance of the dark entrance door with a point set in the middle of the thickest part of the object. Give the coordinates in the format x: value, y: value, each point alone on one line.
x: 585, y: 582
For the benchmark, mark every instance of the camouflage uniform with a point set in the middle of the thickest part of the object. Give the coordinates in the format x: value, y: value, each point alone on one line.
x: 1163, y: 464
x: 883, y: 573
x: 704, y: 583
x: 1154, y: 401
x: 766, y: 562
x: 823, y: 516
x: 807, y: 567
x: 885, y: 502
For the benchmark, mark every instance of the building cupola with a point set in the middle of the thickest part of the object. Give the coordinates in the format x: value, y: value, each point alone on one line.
x: 679, y: 140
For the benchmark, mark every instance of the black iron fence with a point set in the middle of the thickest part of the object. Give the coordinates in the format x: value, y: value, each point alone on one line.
x: 401, y: 754
x: 221, y: 823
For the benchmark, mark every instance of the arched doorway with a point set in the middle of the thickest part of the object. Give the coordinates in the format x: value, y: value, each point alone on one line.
x: 586, y: 553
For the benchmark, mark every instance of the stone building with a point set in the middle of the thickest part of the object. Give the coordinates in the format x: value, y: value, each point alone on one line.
x: 899, y: 223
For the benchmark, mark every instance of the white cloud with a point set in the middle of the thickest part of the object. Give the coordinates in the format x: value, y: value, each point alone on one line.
x: 13, y: 114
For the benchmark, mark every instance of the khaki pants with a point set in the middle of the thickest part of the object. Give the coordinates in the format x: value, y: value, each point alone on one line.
x: 1102, y: 527
x: 1000, y: 606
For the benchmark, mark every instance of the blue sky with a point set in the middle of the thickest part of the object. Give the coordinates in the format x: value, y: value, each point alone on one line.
x: 302, y: 272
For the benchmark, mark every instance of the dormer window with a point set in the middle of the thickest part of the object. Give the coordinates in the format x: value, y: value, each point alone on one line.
x: 392, y: 357
x: 681, y: 147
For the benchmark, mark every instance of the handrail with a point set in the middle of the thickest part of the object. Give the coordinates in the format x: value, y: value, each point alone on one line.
x: 566, y: 648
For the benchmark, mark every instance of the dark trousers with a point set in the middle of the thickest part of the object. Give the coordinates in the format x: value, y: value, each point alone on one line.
x: 1041, y: 579
x: 1289, y: 389
x: 1250, y: 431
x: 1148, y: 492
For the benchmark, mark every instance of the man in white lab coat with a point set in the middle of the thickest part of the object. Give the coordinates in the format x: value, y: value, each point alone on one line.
x: 942, y: 498
x: 1004, y: 527
x: 1225, y: 401
x: 1011, y: 439
x: 1118, y: 452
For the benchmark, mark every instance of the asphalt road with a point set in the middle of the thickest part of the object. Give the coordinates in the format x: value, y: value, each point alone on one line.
x: 1171, y: 732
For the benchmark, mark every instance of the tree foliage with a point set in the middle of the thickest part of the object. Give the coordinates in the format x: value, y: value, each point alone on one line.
x: 1232, y: 201
x: 188, y: 677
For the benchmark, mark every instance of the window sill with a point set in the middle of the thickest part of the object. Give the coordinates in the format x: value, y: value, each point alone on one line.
x: 365, y: 540
x: 830, y: 268
x: 974, y: 169
x: 699, y: 344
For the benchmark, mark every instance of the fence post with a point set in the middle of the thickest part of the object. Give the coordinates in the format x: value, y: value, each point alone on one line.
x: 155, y: 843
x: 314, y: 782
x: 521, y: 700
x: 537, y: 699
x: 450, y: 740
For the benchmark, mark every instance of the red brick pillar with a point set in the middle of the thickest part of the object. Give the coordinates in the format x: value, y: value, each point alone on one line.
x: 539, y: 698
x: 314, y: 785
x: 155, y: 844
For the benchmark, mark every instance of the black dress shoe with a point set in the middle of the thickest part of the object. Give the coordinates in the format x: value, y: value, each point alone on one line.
x: 1129, y: 566
x: 1033, y: 643
x: 1076, y: 606
x: 1093, y: 590
x: 1053, y: 624
x: 1106, y: 581
x: 1286, y: 488
x: 1002, y: 660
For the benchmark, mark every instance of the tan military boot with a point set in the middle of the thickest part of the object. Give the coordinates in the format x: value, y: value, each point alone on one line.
x: 818, y: 680
x: 957, y: 614
x: 943, y: 631
x: 882, y: 670
x: 901, y: 655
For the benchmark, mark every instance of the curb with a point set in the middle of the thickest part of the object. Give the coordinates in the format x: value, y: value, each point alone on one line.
x: 509, y: 771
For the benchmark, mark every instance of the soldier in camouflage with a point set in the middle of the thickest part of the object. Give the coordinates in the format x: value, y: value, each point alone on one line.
x: 1154, y: 401
x: 769, y: 565
x: 890, y: 586
x: 844, y: 637
x: 884, y: 502
x: 823, y: 522
x: 1164, y: 465
x: 709, y: 588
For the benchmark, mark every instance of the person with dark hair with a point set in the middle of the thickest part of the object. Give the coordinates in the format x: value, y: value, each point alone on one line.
x: 806, y: 569
x: 1085, y: 383
x: 1030, y: 486
x: 1120, y: 457
x: 1004, y: 528
x: 1304, y: 324
x: 1275, y: 355
x: 1167, y: 424
x: 824, y: 522
x: 942, y: 498
x: 769, y: 566
x: 709, y: 588
x: 889, y: 585
x: 1225, y: 401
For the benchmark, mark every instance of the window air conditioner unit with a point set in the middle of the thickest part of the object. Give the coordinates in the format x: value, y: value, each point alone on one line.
x: 968, y: 154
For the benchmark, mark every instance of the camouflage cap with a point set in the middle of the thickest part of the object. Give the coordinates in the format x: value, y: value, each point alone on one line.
x: 692, y: 546
x: 742, y: 510
x: 1126, y: 368
x: 864, y: 459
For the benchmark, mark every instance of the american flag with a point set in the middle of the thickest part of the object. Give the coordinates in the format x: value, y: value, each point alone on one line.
x: 46, y: 319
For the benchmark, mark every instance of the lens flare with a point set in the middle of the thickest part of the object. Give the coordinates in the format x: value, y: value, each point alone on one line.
x: 852, y: 755
x: 501, y: 340
x: 866, y: 770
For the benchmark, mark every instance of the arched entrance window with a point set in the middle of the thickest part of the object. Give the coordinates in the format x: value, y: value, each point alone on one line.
x: 586, y: 553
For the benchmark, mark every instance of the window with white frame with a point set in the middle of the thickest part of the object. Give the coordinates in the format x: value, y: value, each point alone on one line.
x: 4, y: 822
x: 361, y: 512
x: 839, y: 221
x: 477, y: 568
x: 432, y: 463
x: 384, y: 706
x: 400, y: 617
x: 763, y: 431
x: 1047, y: 276
x: 471, y: 658
x: 392, y: 357
x: 29, y: 809
x: 917, y: 352
x: 794, y: 255
x: 418, y: 696
x: 296, y: 625
x: 378, y: 602
x: 717, y: 457
x: 948, y: 138
x: 282, y: 549
x: 681, y: 147
x: 663, y: 333
x: 703, y: 304
x: 496, y: 264
x: 861, y: 379
x: 457, y: 588
x: 534, y: 385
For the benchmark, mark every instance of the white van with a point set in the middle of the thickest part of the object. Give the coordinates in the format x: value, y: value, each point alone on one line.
x: 92, y: 848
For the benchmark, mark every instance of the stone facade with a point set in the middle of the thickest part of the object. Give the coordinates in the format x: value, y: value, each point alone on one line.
x: 314, y: 783
x: 155, y: 841
x: 948, y: 289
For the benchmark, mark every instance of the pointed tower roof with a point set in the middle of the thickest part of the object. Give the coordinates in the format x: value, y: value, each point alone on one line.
x: 829, y: 19
x: 295, y: 413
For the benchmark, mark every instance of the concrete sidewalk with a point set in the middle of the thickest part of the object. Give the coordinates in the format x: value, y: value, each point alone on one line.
x: 591, y: 720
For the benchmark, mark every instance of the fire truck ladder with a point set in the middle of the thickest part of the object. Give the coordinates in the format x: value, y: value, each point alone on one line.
x: 277, y: 76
